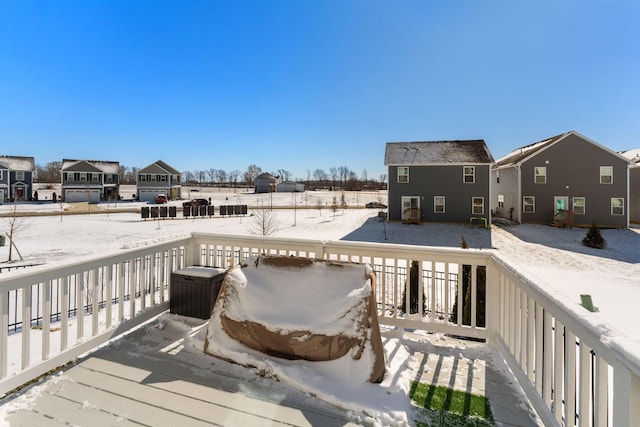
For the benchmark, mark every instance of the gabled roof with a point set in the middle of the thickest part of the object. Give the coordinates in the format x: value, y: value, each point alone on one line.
x: 633, y: 155
x: 18, y: 163
x: 267, y: 176
x: 423, y: 153
x: 159, y: 167
x: 69, y: 165
x: 521, y: 154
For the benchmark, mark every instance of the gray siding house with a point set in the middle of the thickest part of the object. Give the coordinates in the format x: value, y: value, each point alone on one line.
x: 565, y: 176
x: 158, y: 178
x: 266, y: 183
x: 16, y: 178
x: 634, y: 185
x: 90, y: 180
x: 438, y: 181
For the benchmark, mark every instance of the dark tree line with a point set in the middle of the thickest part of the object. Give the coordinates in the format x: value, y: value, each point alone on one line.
x: 337, y: 178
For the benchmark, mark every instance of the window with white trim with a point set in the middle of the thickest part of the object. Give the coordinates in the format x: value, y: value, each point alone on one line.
x: 501, y: 200
x: 83, y: 176
x: 403, y: 174
x: 477, y: 205
x: 19, y: 175
x: 95, y: 177
x: 617, y: 206
x: 468, y: 174
x: 606, y: 174
x: 439, y: 204
x: 528, y: 204
x: 540, y: 174
x: 497, y: 177
x: 579, y: 205
x: 1, y: 173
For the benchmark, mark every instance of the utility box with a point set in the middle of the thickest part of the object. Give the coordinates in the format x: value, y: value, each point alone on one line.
x: 194, y: 290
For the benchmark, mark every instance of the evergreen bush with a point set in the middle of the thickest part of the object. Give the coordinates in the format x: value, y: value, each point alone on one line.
x: 594, y: 239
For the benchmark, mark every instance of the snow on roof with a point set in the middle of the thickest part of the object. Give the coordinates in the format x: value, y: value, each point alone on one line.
x: 423, y: 153
x: 17, y: 163
x: 526, y: 151
x: 633, y: 155
x: 159, y: 167
x: 87, y: 165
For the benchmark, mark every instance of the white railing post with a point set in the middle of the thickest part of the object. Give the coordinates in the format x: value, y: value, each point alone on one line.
x: 4, y: 330
x: 493, y: 309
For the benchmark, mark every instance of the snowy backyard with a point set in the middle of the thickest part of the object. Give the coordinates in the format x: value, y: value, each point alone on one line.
x: 552, y: 258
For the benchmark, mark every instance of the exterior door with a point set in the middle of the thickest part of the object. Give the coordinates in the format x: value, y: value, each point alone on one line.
x: 410, y: 207
x: 560, y: 203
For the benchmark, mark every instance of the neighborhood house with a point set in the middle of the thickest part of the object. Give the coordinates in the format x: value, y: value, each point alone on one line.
x: 158, y: 178
x: 439, y: 181
x: 16, y: 178
x: 90, y: 180
x: 564, y: 180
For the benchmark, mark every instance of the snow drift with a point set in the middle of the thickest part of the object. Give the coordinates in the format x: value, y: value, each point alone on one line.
x: 299, y: 309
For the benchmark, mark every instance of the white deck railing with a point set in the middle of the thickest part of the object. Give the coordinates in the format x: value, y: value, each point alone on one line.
x: 570, y: 376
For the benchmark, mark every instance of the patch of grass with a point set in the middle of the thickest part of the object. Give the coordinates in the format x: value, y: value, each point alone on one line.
x: 442, y: 406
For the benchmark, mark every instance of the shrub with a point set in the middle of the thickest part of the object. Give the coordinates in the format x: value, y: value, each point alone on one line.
x: 594, y: 239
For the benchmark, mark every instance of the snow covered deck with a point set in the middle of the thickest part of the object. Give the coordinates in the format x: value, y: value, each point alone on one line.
x: 569, y: 373
x: 157, y: 376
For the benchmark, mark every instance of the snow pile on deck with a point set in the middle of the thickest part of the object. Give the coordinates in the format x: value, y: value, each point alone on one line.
x: 299, y: 309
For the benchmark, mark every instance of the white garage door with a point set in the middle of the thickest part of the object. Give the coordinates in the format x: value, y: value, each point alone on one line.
x: 148, y: 195
x: 72, y: 196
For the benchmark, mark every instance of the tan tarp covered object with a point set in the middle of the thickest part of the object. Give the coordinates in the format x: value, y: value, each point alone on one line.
x: 330, y: 333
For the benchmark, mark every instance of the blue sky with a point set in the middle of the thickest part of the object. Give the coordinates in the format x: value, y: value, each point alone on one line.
x: 303, y: 85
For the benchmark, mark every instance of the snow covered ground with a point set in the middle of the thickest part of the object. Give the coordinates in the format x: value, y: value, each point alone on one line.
x: 553, y: 258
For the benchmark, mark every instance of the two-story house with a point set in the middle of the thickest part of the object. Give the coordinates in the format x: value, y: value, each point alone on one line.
x: 90, y: 180
x: 438, y: 181
x: 16, y: 178
x: 158, y: 178
x: 565, y: 175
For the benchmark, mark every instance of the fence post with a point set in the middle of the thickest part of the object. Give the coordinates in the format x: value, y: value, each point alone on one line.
x: 492, y: 303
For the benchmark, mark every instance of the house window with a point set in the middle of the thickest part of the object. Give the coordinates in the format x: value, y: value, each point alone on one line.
x: 497, y: 177
x: 163, y: 178
x: 95, y: 177
x: 83, y: 176
x: 469, y: 174
x: 501, y: 200
x: 1, y: 173
x: 606, y: 174
x: 617, y: 206
x: 540, y: 175
x: 403, y: 174
x: 578, y: 205
x: 529, y: 204
x: 19, y: 175
x: 439, y: 204
x: 477, y: 205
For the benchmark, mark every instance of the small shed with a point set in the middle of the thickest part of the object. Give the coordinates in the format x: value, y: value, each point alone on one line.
x: 266, y: 183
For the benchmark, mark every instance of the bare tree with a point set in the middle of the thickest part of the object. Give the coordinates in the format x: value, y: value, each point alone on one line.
x: 343, y: 171
x: 14, y: 223
x: 383, y: 178
x: 333, y: 172
x: 319, y: 175
x: 264, y: 221
x: 285, y: 175
x: 252, y: 172
x: 233, y: 177
x: 213, y: 174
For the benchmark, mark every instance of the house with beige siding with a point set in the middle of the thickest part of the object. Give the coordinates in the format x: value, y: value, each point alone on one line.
x: 565, y: 178
x: 439, y: 181
x: 158, y: 178
x: 90, y: 180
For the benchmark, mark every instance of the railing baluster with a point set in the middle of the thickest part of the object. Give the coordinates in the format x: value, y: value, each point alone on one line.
x: 570, y: 379
x: 26, y: 327
x: 46, y: 319
x: 64, y: 317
